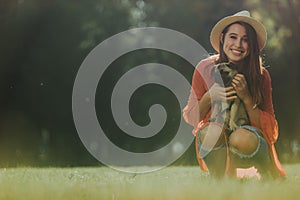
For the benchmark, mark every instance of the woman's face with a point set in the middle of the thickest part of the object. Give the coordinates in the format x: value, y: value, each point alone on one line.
x: 235, y: 44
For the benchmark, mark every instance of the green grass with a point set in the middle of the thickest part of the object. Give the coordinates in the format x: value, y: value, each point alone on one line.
x: 168, y: 183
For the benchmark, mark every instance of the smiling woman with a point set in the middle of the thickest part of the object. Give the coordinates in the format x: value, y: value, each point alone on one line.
x: 235, y: 42
x: 238, y: 39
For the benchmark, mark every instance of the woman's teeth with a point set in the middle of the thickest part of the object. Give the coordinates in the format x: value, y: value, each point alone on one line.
x: 236, y: 51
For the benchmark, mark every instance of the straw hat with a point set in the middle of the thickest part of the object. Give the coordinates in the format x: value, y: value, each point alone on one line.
x: 243, y: 16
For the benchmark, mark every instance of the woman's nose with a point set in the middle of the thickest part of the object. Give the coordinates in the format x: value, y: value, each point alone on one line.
x: 238, y: 42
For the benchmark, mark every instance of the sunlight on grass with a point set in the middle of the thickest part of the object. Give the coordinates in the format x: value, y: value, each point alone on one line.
x: 168, y: 183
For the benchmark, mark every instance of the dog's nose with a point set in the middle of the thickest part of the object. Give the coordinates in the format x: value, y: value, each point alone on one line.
x: 224, y: 72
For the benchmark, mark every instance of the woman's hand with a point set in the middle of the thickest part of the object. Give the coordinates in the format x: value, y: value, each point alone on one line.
x: 218, y: 93
x: 215, y: 93
x: 239, y: 84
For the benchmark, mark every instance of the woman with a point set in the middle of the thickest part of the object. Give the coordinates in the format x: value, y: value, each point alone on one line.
x: 237, y: 39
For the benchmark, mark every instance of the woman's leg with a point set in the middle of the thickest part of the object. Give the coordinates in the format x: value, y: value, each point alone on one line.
x: 243, y: 141
x: 212, y: 149
x: 248, y: 147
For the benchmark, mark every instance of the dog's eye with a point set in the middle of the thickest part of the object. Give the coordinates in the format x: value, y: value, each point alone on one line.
x: 222, y: 71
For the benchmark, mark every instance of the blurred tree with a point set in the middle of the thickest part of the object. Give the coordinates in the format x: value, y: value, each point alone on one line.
x: 194, y: 18
x: 282, y: 20
x: 43, y: 43
x: 19, y: 132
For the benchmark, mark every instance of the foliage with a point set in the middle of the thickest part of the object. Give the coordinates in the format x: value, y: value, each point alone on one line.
x: 281, y: 18
x: 44, y: 42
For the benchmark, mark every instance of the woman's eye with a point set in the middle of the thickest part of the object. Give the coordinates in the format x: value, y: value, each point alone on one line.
x: 233, y: 37
x: 245, y: 39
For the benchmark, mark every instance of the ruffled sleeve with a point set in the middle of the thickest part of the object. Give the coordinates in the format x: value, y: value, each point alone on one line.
x: 191, y: 110
x: 268, y: 121
x: 200, y: 83
x: 269, y: 124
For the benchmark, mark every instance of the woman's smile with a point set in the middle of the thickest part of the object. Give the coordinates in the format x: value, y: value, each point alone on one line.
x: 236, y: 43
x: 237, y: 52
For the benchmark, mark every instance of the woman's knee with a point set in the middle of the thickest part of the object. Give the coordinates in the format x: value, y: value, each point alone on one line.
x: 212, y: 136
x: 243, y: 141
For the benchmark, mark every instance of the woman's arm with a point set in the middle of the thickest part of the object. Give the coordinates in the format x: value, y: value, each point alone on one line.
x: 253, y: 112
x: 264, y: 119
x: 215, y: 93
x: 240, y: 85
x: 204, y: 105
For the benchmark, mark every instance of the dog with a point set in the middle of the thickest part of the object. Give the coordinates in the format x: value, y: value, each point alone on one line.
x: 233, y: 114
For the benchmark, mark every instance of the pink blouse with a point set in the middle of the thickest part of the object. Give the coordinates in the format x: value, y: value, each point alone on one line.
x: 202, y: 81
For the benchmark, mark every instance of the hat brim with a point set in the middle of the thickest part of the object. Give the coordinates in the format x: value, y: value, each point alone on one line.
x: 217, y: 30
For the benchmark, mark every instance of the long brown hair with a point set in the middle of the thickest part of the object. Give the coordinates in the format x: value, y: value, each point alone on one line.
x: 251, y: 67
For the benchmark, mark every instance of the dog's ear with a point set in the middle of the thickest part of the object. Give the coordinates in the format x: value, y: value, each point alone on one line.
x: 215, y: 73
x: 231, y: 65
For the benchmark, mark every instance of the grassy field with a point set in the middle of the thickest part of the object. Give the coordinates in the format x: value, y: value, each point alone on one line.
x: 168, y: 183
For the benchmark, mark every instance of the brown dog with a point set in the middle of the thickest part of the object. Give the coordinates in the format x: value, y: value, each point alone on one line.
x: 233, y: 113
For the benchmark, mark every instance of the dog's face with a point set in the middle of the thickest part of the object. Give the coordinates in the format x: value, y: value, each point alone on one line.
x: 224, y: 73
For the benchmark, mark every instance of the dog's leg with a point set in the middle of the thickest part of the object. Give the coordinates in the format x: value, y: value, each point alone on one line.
x: 219, y: 113
x: 243, y: 118
x: 238, y: 115
x: 225, y: 114
x: 233, y: 114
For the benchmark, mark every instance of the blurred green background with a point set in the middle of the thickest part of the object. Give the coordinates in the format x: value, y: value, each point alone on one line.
x: 43, y: 43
